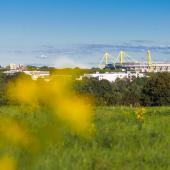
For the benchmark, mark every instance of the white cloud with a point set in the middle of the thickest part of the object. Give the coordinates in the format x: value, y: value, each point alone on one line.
x: 67, y: 62
x: 43, y: 56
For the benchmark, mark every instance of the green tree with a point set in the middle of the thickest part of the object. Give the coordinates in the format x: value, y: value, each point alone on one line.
x: 156, y: 92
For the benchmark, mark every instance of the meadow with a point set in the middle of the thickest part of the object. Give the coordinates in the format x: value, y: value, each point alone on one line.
x: 117, y: 141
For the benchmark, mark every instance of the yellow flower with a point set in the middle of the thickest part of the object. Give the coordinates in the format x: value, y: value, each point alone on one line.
x: 140, y: 114
x: 7, y: 163
x: 16, y: 133
x: 58, y: 96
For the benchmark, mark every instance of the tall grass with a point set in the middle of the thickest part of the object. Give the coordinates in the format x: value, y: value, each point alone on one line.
x: 116, y: 144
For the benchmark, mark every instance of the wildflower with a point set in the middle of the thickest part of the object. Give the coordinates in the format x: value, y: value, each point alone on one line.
x: 16, y: 133
x: 7, y: 163
x: 58, y: 96
x: 140, y: 116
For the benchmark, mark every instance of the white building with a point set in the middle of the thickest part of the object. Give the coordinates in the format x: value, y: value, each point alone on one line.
x: 11, y: 72
x: 16, y: 67
x: 37, y: 74
x: 13, y: 67
x: 34, y: 74
x: 113, y: 76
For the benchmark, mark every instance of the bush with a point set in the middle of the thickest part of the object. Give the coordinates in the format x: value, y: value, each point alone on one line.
x: 152, y: 91
x: 156, y: 91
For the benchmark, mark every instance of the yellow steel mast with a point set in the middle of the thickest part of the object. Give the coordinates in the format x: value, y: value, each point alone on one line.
x: 106, y: 57
x: 149, y: 58
x: 121, y: 57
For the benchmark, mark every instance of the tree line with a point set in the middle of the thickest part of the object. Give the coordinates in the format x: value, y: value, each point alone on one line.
x: 153, y: 90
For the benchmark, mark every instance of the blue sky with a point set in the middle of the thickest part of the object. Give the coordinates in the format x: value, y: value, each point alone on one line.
x: 77, y: 32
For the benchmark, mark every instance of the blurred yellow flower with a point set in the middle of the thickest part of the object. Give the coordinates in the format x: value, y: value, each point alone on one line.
x: 7, y: 163
x: 16, y: 133
x: 22, y: 91
x: 58, y: 96
x: 76, y: 113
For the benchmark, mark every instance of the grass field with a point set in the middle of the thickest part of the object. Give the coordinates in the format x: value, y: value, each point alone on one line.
x: 117, y: 142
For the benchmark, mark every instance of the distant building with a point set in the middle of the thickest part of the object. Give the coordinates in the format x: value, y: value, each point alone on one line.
x: 11, y: 72
x: 141, y: 67
x: 34, y: 74
x: 113, y: 76
x: 37, y: 74
x: 19, y: 67
x: 13, y: 67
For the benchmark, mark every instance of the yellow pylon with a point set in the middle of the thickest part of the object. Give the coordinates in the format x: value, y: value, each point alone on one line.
x: 149, y: 57
x: 121, y: 57
x: 106, y: 57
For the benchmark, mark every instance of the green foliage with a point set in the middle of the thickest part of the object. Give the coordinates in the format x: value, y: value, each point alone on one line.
x: 73, y: 72
x: 156, y: 91
x: 152, y: 91
x: 31, y: 68
x: 3, y: 82
x: 122, y: 92
x: 117, y: 144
